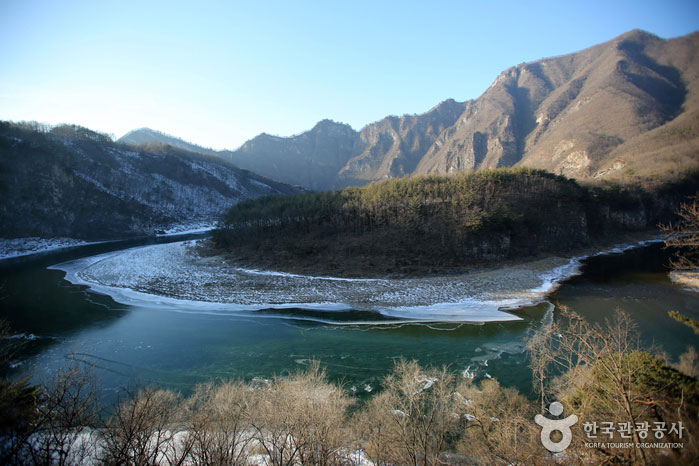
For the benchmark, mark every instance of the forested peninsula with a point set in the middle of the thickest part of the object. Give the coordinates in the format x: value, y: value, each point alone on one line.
x: 435, y: 224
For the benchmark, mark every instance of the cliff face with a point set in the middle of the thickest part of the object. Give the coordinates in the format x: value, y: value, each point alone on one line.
x: 333, y: 155
x: 72, y: 182
x: 578, y: 114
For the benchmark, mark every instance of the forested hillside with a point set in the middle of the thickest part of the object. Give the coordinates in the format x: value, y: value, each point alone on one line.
x: 70, y: 181
x: 438, y: 222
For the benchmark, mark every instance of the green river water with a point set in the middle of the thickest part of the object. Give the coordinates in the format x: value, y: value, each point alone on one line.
x: 57, y: 322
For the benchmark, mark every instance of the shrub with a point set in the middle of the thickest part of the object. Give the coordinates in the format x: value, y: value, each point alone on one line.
x: 500, y: 427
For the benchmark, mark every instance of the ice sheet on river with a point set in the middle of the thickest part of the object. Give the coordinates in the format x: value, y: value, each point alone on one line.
x: 170, y: 276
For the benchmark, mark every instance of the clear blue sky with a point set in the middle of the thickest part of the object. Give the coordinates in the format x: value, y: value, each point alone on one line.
x: 219, y: 73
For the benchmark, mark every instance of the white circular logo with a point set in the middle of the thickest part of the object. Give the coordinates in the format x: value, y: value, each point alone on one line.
x: 548, y: 426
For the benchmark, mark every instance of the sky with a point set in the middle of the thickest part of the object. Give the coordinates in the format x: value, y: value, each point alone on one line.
x: 219, y: 73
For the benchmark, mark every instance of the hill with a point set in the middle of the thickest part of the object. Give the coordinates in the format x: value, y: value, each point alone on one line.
x: 73, y: 182
x: 432, y: 223
x: 625, y: 110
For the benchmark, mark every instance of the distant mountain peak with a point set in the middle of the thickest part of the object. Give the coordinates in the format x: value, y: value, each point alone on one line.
x: 144, y: 135
x: 637, y: 35
x: 448, y: 105
x: 326, y: 122
x: 146, y: 132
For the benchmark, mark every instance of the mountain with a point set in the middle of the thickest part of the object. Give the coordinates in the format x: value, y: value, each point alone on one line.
x: 333, y: 155
x: 622, y: 110
x: 312, y: 159
x: 584, y: 114
x: 394, y: 146
x: 70, y: 181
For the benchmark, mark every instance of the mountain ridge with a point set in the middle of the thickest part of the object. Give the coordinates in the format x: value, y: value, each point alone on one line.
x: 588, y: 115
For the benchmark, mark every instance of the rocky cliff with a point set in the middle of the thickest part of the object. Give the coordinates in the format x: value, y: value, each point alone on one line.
x: 582, y: 114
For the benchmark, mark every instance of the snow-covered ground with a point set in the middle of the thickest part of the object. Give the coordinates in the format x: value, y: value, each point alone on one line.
x: 17, y: 247
x: 87, y: 447
x: 26, y: 246
x: 186, y: 228
x: 172, y: 276
x: 688, y: 279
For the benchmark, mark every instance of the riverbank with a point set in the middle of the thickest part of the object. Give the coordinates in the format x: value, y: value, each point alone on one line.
x: 30, y: 246
x: 369, y: 267
x: 172, y: 343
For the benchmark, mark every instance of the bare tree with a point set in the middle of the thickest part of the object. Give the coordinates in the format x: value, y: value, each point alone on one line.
x: 500, y: 427
x: 300, y: 420
x: 217, y: 425
x: 18, y: 400
x: 145, y: 430
x: 689, y: 362
x: 67, y: 412
x: 413, y: 419
x: 684, y: 234
x: 599, y: 372
x: 577, y: 348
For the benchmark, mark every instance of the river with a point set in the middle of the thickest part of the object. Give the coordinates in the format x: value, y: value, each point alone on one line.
x: 147, y: 344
